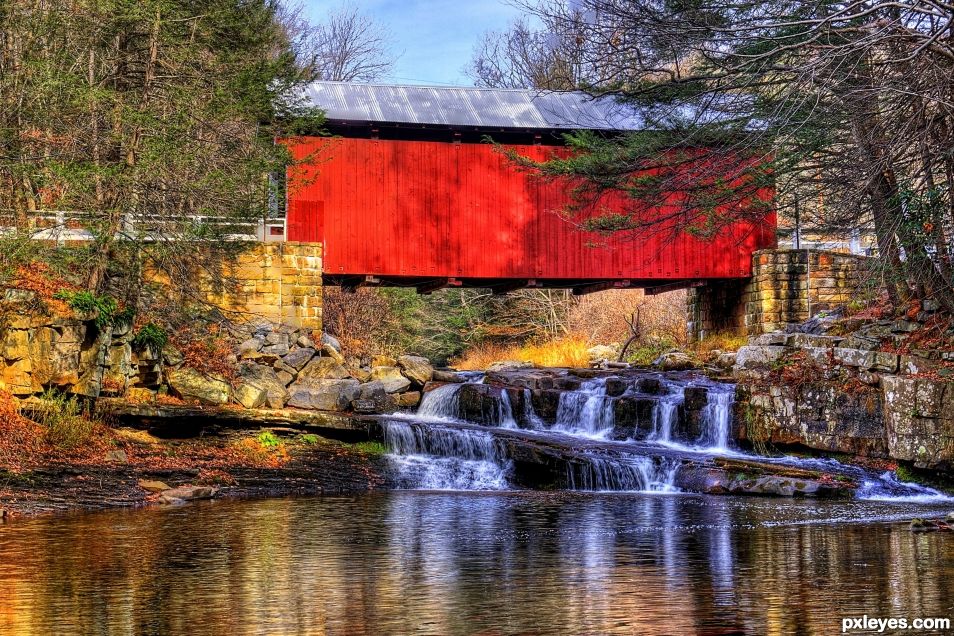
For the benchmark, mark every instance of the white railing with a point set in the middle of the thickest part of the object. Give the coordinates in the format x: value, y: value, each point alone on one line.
x: 66, y: 226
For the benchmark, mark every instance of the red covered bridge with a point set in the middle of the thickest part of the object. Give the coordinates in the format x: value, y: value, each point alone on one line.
x: 409, y: 193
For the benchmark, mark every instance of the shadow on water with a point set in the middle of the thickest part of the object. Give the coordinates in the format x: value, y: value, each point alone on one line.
x: 473, y: 563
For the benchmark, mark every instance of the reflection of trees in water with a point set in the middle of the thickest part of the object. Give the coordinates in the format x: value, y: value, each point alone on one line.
x: 461, y: 563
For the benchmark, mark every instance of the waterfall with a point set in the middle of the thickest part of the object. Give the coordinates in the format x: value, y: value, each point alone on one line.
x: 432, y: 458
x: 505, y: 417
x: 530, y: 416
x: 664, y: 417
x: 441, y: 404
x: 717, y: 419
x: 587, y: 411
x: 629, y: 474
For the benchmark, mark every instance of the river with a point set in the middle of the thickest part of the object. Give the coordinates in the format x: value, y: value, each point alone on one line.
x: 468, y: 547
x: 475, y: 563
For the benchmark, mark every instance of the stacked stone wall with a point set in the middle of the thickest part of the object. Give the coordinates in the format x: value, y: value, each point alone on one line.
x: 787, y: 287
x: 791, y: 286
x: 276, y: 282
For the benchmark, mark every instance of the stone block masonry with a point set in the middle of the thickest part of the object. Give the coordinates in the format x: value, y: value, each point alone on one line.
x: 787, y: 287
x: 277, y: 282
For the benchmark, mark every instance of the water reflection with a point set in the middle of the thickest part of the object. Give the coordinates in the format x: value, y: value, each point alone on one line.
x: 514, y: 563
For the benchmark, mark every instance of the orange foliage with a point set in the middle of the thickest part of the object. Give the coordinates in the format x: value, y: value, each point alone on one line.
x: 210, y: 352
x: 37, y: 278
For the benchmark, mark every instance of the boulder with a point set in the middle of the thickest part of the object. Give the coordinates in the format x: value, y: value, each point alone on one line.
x: 602, y: 352
x: 726, y: 360
x: 251, y: 345
x: 189, y: 384
x: 372, y: 398
x: 509, y: 365
x: 324, y: 395
x: 152, y: 485
x: 615, y: 387
x: 753, y: 356
x: 249, y: 396
x: 409, y: 399
x: 673, y: 361
x: 440, y: 375
x: 332, y: 353
x: 361, y: 374
x: 305, y: 342
x: 392, y: 379
x: 416, y: 368
x: 330, y: 341
x: 186, y: 493
x: 298, y: 358
x: 284, y: 377
x: 324, y: 369
x: 383, y: 361
x: 264, y: 379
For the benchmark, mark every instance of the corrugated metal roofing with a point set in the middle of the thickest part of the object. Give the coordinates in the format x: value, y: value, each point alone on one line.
x: 472, y: 107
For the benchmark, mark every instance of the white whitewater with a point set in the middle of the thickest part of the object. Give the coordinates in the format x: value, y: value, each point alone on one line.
x: 636, y: 474
x: 432, y: 458
x: 717, y: 419
x: 586, y: 412
x: 431, y: 450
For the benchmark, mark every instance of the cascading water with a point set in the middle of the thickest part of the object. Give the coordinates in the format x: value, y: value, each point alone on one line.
x: 440, y: 405
x: 438, y: 458
x: 586, y: 411
x: 664, y: 417
x: 533, y: 421
x: 717, y: 419
x: 630, y: 474
x: 437, y: 449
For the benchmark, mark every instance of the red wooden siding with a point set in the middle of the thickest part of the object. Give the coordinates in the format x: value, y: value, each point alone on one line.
x: 432, y: 209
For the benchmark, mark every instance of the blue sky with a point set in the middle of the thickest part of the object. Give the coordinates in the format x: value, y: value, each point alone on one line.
x: 434, y: 37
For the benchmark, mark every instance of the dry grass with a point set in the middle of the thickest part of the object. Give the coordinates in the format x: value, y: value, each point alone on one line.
x: 721, y: 342
x: 570, y: 351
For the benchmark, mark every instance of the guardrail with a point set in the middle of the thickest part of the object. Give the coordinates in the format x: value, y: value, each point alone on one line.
x: 69, y: 226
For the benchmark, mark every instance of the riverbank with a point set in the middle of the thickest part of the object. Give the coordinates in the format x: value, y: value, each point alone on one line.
x: 141, y: 470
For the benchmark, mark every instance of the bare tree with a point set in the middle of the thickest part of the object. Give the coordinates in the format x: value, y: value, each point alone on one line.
x: 524, y: 57
x: 349, y: 46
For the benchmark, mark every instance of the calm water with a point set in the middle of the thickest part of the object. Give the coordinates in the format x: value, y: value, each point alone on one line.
x: 471, y: 563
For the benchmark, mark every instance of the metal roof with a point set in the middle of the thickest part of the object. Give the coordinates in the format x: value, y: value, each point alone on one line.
x: 471, y: 107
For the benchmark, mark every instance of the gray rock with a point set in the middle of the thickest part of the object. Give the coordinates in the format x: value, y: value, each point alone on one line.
x: 673, y: 361
x: 752, y: 356
x: 251, y: 345
x: 331, y: 341
x: 298, y: 358
x: 324, y: 395
x: 392, y: 379
x: 855, y: 358
x: 266, y: 380
x: 446, y: 376
x: 332, y: 353
x: 416, y: 368
x: 509, y: 365
x: 305, y: 342
x: 726, y: 360
x: 773, y: 338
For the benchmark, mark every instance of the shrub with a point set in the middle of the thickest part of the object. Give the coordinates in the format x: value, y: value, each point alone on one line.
x: 105, y: 307
x: 150, y: 336
x: 64, y: 420
x: 268, y: 439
